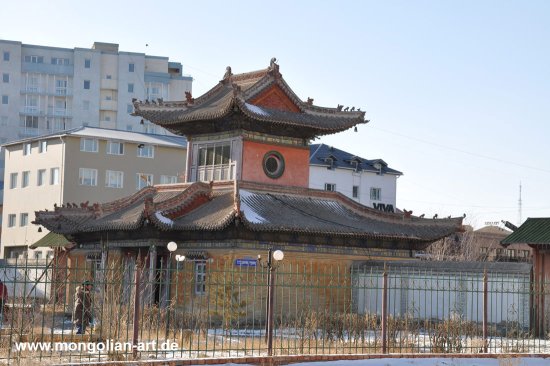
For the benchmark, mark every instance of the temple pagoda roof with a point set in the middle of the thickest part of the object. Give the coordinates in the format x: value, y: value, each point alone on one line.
x: 233, y: 104
x: 244, y: 207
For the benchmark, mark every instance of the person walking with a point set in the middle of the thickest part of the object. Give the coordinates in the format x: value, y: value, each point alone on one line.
x: 3, y: 301
x: 83, y: 303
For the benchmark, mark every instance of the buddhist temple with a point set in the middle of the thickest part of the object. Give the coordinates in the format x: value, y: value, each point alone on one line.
x: 246, y: 186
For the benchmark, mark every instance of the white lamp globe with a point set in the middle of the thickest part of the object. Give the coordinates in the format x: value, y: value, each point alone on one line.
x: 278, y: 255
x: 180, y: 258
x: 172, y: 246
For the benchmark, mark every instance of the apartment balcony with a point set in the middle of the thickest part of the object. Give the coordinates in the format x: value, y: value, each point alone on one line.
x: 111, y: 84
x: 32, y: 90
x: 59, y: 112
x: 30, y: 132
x: 31, y: 111
x: 108, y: 105
x: 63, y: 92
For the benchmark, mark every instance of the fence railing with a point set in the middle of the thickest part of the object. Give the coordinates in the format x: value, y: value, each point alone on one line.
x: 216, y: 308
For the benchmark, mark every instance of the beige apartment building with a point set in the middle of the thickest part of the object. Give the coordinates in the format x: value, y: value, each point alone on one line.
x: 85, y: 164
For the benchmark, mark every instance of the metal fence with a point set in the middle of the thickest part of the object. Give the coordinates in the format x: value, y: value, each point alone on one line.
x: 216, y: 308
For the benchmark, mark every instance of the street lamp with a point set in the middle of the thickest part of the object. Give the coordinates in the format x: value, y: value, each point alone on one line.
x: 278, y: 256
x: 171, y: 246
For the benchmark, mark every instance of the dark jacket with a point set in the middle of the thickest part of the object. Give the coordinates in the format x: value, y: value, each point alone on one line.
x: 82, y: 312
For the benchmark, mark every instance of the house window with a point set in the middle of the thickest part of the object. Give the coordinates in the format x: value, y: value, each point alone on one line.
x: 355, y: 191
x: 42, y: 146
x: 34, y: 59
x: 113, y: 179
x: 168, y: 179
x: 54, y: 176
x: 88, y: 145
x: 200, y: 277
x: 60, y: 61
x: 41, y: 177
x: 87, y: 177
x: 330, y: 187
x: 375, y: 194
x: 25, y: 179
x: 130, y: 88
x: 5, y: 78
x: 145, y: 151
x: 6, y: 56
x: 12, y: 220
x: 214, y: 162
x: 131, y: 67
x: 24, y: 219
x: 87, y: 63
x: 86, y: 84
x: 5, y: 99
x: 143, y: 180
x: 13, y: 180
x: 115, y: 148
x: 27, y: 149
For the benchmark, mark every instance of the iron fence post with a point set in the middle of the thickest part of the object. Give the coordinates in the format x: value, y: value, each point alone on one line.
x: 384, y: 319
x: 168, y: 295
x: 135, y: 339
x: 485, y: 315
x: 270, y: 314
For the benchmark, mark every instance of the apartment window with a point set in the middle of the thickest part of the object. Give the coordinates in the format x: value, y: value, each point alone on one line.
x: 113, y: 179
x: 108, y: 97
x: 34, y: 59
x: 115, y: 147
x: 27, y: 148
x: 375, y: 194
x: 129, y: 128
x: 87, y: 63
x: 145, y: 151
x: 131, y: 67
x: 12, y: 220
x: 6, y: 56
x: 60, y: 61
x: 168, y: 179
x: 130, y: 88
x: 87, y: 177
x: 108, y: 77
x: 355, y: 191
x: 25, y: 178
x: 88, y: 145
x: 200, y: 277
x: 86, y: 84
x: 42, y: 146
x: 54, y: 176
x: 143, y: 180
x: 61, y: 87
x: 5, y: 99
x: 86, y: 105
x: 23, y: 219
x: 30, y: 122
x: 108, y: 118
x: 330, y: 187
x: 13, y: 180
x: 41, y: 178
x: 129, y: 108
x: 5, y: 78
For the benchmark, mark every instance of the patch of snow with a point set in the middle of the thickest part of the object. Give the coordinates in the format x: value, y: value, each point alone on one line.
x: 251, y: 215
x: 255, y: 109
x: 165, y: 220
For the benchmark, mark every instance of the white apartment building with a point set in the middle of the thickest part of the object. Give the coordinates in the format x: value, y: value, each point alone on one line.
x: 47, y: 89
x: 369, y: 182
x: 85, y: 164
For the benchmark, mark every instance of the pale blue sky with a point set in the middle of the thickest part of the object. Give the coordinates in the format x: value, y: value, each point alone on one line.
x: 458, y: 92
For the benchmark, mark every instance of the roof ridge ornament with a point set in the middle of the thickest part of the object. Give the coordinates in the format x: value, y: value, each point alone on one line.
x: 228, y: 74
x: 273, y: 68
x: 189, y: 98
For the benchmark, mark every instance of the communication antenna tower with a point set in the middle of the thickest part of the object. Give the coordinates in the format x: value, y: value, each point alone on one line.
x: 519, y: 205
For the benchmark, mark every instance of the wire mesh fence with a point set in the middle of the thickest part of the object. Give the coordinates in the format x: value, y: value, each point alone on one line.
x: 145, y: 308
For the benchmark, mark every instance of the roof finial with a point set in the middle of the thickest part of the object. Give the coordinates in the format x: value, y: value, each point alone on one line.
x: 228, y: 73
x: 309, y: 101
x: 273, y: 67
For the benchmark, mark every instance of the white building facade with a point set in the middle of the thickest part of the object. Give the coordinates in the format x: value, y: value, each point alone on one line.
x: 86, y: 164
x: 369, y: 182
x: 48, y: 89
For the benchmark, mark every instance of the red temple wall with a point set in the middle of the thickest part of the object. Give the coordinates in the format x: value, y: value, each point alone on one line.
x: 296, y: 164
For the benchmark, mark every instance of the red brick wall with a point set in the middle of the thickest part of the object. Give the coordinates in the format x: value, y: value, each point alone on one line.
x: 296, y: 164
x: 275, y: 98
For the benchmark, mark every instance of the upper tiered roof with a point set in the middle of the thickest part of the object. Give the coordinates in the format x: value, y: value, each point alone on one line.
x: 236, y: 103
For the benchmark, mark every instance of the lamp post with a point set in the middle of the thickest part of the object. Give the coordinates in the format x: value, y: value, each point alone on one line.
x: 172, y: 246
x: 179, y: 258
x: 278, y: 256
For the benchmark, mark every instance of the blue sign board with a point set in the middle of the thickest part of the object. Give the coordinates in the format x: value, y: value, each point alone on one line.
x: 246, y: 262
